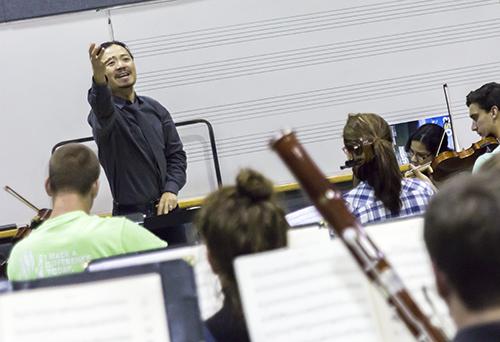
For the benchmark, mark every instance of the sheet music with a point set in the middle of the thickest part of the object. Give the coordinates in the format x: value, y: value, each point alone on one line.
x: 208, y: 287
x: 128, y: 309
x: 307, y: 215
x: 307, y: 236
x: 402, y: 243
x: 305, y: 294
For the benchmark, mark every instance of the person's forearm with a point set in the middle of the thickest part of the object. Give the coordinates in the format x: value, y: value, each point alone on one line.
x: 176, y: 172
x: 100, y: 100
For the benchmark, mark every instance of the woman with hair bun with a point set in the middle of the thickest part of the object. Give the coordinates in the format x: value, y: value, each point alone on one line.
x: 233, y: 221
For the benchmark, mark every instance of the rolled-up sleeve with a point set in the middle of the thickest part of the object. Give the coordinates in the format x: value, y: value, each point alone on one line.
x: 175, y: 156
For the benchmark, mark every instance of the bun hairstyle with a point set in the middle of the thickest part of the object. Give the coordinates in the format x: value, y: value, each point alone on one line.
x: 254, y: 186
x: 380, y: 168
x: 237, y: 220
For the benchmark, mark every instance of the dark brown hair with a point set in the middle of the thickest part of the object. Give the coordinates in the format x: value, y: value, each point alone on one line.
x: 463, y: 237
x: 73, y: 168
x: 238, y: 220
x: 380, y: 169
x: 486, y: 96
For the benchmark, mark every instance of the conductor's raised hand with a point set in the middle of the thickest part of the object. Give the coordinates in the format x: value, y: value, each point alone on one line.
x: 96, y: 53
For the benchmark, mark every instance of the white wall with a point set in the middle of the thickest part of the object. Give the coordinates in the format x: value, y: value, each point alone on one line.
x: 45, y: 77
x: 250, y: 67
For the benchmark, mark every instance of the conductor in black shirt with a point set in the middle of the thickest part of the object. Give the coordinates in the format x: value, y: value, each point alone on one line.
x: 139, y: 147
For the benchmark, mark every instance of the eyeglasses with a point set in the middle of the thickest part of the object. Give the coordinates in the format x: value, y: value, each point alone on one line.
x: 418, y: 155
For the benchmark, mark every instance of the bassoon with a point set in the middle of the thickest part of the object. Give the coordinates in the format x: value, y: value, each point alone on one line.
x: 330, y: 204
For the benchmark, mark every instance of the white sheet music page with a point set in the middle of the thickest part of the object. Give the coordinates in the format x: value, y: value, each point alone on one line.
x: 308, y: 236
x: 402, y: 243
x: 129, y: 309
x: 210, y: 297
x: 305, y: 295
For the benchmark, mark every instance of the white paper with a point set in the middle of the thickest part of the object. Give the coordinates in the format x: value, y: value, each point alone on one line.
x: 305, y: 294
x: 129, y: 309
x: 307, y: 236
x: 208, y: 287
x: 402, y: 243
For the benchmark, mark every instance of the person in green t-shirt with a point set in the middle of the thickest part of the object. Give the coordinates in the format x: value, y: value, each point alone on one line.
x: 71, y: 237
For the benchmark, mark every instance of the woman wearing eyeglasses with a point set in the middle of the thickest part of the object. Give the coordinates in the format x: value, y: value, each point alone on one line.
x: 422, y: 147
x: 381, y: 191
x: 423, y: 144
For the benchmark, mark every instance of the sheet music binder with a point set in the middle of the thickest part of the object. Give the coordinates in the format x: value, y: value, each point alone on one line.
x: 179, y: 293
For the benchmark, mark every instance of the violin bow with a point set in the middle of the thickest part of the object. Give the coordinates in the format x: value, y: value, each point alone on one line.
x: 455, y: 138
x: 20, y: 198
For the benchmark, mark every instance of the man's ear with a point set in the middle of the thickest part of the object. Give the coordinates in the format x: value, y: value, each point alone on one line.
x: 48, y: 188
x: 442, y: 283
x: 494, y: 112
x: 94, y: 190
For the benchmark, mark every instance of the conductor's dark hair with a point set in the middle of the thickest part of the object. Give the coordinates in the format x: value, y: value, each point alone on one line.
x: 486, y: 96
x: 462, y: 235
x: 117, y: 42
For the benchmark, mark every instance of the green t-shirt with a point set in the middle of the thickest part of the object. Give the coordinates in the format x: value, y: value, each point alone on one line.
x: 66, y: 243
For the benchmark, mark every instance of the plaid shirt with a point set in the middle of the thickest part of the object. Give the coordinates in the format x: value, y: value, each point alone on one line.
x: 415, y: 194
x: 361, y: 201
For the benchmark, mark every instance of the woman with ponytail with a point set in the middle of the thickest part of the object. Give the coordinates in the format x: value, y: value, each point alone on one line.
x: 381, y: 191
x: 233, y: 221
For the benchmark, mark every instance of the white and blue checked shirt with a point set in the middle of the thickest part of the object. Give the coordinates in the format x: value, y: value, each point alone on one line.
x: 361, y: 201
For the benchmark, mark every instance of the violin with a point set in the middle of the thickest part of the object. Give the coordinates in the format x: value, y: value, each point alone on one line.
x: 22, y: 231
x: 450, y: 162
x: 375, y: 265
x: 41, y: 216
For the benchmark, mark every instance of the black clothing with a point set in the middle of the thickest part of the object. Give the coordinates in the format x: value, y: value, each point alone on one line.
x: 149, y: 209
x: 479, y: 333
x: 225, y: 326
x: 139, y: 147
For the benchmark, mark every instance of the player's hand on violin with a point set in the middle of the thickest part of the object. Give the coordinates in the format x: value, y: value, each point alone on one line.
x: 419, y: 173
x: 98, y: 67
x: 168, y: 202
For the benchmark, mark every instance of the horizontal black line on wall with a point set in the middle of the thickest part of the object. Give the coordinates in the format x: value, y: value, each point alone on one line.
x: 12, y: 10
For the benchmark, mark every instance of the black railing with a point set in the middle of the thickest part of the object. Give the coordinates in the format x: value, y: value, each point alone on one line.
x: 211, y: 135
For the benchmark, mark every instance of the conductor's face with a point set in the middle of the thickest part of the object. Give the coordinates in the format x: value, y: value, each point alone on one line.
x: 120, y: 68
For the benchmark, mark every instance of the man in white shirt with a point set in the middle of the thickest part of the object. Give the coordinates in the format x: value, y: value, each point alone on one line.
x: 484, y: 104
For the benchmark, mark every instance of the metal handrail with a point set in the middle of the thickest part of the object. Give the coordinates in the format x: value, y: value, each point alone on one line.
x: 213, y: 145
